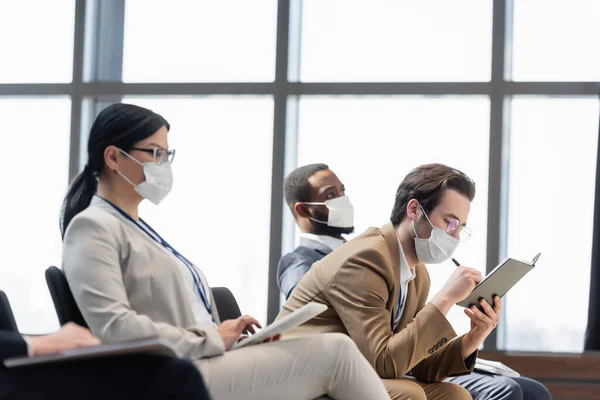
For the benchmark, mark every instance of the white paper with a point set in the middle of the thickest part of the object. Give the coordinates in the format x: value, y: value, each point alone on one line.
x: 286, y: 323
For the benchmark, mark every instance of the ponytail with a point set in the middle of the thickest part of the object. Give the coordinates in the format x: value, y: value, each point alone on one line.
x: 78, y: 197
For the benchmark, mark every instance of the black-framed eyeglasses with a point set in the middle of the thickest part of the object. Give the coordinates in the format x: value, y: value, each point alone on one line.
x: 161, y: 155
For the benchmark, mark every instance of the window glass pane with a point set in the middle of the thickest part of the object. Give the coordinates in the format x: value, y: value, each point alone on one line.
x: 551, y: 207
x: 556, y: 40
x: 199, y: 40
x: 372, y: 143
x: 37, y: 41
x: 384, y: 40
x: 35, y: 179
x: 218, y: 213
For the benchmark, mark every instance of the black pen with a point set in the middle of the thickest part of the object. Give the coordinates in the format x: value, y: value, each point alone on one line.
x: 456, y: 262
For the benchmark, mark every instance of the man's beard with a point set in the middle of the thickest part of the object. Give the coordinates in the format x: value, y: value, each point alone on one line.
x: 320, y: 228
x: 422, y: 228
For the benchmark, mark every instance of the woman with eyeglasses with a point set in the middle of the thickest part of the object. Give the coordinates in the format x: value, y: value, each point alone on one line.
x: 130, y: 283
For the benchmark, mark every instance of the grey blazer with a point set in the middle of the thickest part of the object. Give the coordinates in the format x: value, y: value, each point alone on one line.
x: 294, y: 265
x: 128, y: 286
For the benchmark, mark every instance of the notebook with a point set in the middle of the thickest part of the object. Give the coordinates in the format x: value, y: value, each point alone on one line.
x: 499, y: 281
x: 150, y: 345
x: 496, y: 368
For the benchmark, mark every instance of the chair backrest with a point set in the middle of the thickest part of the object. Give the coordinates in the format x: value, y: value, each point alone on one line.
x: 7, y: 318
x: 63, y: 300
x: 227, y: 306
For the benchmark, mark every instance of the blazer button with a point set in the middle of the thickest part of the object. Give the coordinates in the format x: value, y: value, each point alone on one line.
x: 430, y: 351
x: 444, y: 340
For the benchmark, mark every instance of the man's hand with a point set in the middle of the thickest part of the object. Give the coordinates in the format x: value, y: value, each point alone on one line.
x: 481, y: 324
x: 461, y: 283
x: 70, y: 336
x: 232, y: 329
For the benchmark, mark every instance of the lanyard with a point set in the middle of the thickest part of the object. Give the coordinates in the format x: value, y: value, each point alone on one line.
x: 158, y: 239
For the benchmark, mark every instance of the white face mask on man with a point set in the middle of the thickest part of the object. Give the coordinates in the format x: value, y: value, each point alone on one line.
x: 341, y: 212
x: 438, y: 248
x: 158, y: 183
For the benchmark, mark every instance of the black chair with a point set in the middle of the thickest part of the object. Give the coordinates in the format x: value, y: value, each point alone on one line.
x: 63, y: 300
x: 7, y: 318
x: 227, y: 306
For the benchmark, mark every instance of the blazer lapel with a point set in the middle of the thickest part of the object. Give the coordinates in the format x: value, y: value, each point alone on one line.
x: 389, y: 233
x: 410, y: 306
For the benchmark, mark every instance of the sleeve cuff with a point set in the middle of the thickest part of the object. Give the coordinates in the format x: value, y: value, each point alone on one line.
x: 441, y: 319
x: 29, y: 345
x: 470, y: 361
x: 216, y: 346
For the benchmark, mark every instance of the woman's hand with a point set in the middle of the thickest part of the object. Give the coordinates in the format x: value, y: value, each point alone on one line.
x: 232, y: 329
x: 70, y: 336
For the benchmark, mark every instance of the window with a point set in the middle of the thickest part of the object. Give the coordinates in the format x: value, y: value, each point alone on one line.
x: 218, y: 213
x: 371, y: 143
x: 220, y: 209
x: 556, y: 40
x: 551, y: 207
x: 188, y: 41
x: 383, y: 40
x: 35, y: 179
x: 37, y: 41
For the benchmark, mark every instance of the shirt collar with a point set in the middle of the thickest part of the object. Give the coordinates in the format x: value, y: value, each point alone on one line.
x: 331, y: 242
x: 406, y: 274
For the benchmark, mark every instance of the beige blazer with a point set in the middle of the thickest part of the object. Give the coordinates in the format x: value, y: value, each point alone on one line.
x: 359, y: 282
x: 127, y: 286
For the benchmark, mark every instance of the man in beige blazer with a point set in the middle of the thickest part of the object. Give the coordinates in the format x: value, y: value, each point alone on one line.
x: 376, y: 288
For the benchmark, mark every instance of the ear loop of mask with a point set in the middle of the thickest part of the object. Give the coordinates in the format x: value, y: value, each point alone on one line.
x: 314, y: 219
x: 317, y: 220
x: 425, y: 214
x: 122, y: 175
x: 428, y: 220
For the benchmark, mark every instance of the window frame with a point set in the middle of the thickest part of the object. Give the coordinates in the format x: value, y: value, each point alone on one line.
x: 97, y: 82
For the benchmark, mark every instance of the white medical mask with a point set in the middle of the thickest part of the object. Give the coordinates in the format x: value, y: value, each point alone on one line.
x: 158, y: 183
x: 341, y: 212
x: 438, y: 248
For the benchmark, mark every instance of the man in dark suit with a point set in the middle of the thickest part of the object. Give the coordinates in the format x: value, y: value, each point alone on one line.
x: 294, y: 265
x: 323, y: 213
x: 309, y: 192
x: 117, y: 378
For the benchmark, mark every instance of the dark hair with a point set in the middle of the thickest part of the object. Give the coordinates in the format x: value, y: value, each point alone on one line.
x: 427, y: 184
x: 296, y: 186
x: 121, y: 125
